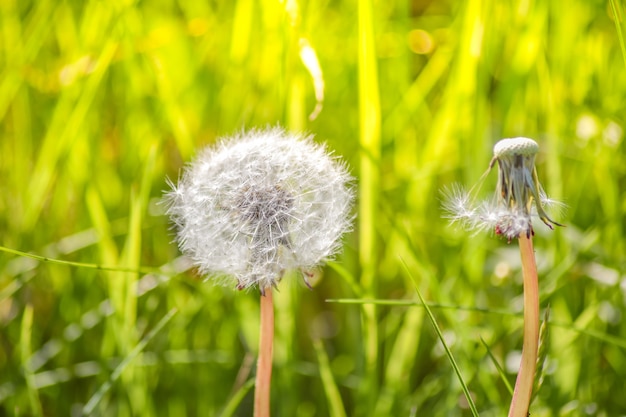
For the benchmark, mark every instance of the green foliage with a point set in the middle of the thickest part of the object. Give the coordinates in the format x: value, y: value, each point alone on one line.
x: 101, y: 101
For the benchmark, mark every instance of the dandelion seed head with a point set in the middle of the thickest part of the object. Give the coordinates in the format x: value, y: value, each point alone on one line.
x: 259, y: 204
x: 518, y: 188
x: 518, y: 195
x: 515, y: 146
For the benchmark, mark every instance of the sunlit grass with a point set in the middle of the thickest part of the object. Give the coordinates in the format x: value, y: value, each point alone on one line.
x: 101, y: 101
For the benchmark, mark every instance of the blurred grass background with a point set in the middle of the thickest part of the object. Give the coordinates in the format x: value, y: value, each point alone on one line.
x: 101, y: 101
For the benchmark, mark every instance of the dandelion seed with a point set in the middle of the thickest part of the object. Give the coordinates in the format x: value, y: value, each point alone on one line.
x: 518, y: 194
x: 259, y: 204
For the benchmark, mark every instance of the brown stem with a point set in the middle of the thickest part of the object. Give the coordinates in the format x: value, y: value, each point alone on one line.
x: 526, y: 375
x: 264, y: 362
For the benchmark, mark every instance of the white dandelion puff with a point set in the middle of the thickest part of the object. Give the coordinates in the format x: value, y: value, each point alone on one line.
x: 518, y: 196
x: 259, y: 204
x: 458, y: 205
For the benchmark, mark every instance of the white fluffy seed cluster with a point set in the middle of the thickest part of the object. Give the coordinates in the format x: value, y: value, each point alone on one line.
x: 261, y: 203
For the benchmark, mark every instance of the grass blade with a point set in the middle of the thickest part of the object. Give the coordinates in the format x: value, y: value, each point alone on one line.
x: 604, y: 337
x: 498, y: 367
x: 433, y: 321
x: 117, y: 372
x: 88, y: 265
x: 617, y: 18
x: 544, y: 346
x: 347, y: 276
x: 25, y: 350
x: 409, y: 303
x: 369, y: 189
x: 236, y: 399
x: 335, y: 405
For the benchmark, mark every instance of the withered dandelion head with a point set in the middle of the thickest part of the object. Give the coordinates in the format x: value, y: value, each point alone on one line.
x: 259, y: 204
x: 518, y: 194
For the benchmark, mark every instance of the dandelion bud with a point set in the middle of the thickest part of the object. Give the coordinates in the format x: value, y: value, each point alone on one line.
x: 518, y: 193
x: 261, y: 203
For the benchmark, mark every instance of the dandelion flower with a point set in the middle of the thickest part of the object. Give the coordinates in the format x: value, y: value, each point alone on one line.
x: 519, y: 194
x: 261, y: 203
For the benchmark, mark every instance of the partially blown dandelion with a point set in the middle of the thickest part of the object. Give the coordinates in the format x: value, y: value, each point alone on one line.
x: 518, y: 194
x: 259, y: 204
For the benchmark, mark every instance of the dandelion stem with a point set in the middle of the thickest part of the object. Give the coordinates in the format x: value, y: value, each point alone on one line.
x: 264, y: 362
x: 522, y: 393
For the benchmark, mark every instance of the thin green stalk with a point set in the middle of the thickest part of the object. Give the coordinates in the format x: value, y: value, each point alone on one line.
x: 369, y: 188
x: 264, y: 363
x: 132, y: 355
x: 498, y: 366
x: 612, y: 340
x: 335, y: 405
x: 25, y: 342
x: 522, y: 393
x: 141, y: 270
x: 617, y: 18
x: 235, y: 400
x: 433, y: 321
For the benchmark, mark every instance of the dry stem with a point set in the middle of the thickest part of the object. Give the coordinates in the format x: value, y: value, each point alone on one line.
x: 522, y: 393
x: 264, y: 362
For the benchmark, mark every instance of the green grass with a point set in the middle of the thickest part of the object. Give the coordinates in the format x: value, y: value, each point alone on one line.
x: 101, y: 101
